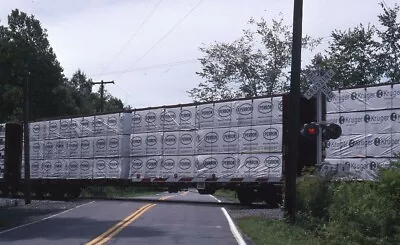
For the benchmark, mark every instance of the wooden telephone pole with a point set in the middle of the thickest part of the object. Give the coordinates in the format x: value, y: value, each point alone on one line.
x: 102, y: 92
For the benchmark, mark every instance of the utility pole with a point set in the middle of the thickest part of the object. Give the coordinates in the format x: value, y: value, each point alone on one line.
x: 294, y: 108
x: 102, y: 92
x: 26, y: 141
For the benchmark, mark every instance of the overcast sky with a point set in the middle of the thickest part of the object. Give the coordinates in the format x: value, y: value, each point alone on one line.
x: 90, y: 35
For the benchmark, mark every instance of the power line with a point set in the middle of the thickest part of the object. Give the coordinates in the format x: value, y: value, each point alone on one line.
x: 169, y: 32
x: 134, y: 35
x: 144, y: 68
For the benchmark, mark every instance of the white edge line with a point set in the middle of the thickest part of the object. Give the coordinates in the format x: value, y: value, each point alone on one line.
x: 46, y: 218
x: 232, y: 226
x: 215, y: 198
x: 234, y: 230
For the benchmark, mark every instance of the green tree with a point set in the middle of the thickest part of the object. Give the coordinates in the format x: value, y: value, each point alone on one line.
x: 366, y: 54
x: 390, y: 41
x: 354, y: 56
x: 255, y: 64
x: 26, y: 54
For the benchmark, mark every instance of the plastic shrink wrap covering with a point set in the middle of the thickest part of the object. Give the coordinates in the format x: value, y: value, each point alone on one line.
x: 348, y: 100
x: 187, y: 143
x: 264, y: 138
x: 358, y: 168
x: 260, y: 166
x: 380, y: 97
x: 170, y: 120
x: 111, y: 168
x: 170, y: 143
x: 267, y: 111
x: 38, y: 131
x: 169, y: 166
x: 205, y: 116
x: 351, y: 123
x: 186, y: 166
x: 223, y: 115
x: 243, y: 112
x: 187, y: 118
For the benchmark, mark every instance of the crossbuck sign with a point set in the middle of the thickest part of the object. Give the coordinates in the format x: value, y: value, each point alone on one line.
x: 319, y: 84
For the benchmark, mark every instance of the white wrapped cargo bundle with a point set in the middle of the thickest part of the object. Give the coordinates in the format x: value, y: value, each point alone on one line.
x: 86, y: 168
x: 137, y: 167
x: 205, y: 116
x: 73, y: 169
x: 267, y: 111
x: 137, y: 144
x: 257, y: 139
x: 112, y: 124
x: 380, y: 97
x: 224, y: 115
x: 384, y: 145
x: 147, y: 121
x: 207, y: 141
x: 219, y: 140
x: 208, y: 166
x: 38, y: 131
x: 62, y: 149
x: 86, y: 147
x: 35, y: 168
x: 186, y: 166
x: 65, y: 130
x: 260, y: 166
x: 187, y: 143
x: 111, y: 146
x: 153, y: 143
x: 348, y: 146
x: 187, y: 118
x: 169, y: 119
x: 50, y: 149
x: 170, y: 143
x: 85, y: 126
x: 221, y: 165
x: 111, y: 168
x: 169, y: 166
x: 74, y: 148
x: 358, y: 168
x: 53, y: 131
x: 347, y: 101
x: 80, y: 169
x: 351, y: 123
x: 36, y: 150
x: 243, y: 112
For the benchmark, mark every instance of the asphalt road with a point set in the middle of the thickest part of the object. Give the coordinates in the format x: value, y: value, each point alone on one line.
x: 117, y: 222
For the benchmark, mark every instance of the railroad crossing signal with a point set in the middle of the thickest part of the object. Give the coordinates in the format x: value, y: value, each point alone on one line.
x: 319, y: 84
x: 328, y: 130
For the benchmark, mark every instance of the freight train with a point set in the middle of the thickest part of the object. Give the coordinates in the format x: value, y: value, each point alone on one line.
x: 236, y: 144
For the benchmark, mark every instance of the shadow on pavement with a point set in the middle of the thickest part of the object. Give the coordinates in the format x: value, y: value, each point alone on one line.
x: 75, y: 228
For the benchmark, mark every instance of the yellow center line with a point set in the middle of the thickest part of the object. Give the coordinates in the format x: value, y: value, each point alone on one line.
x: 114, y: 230
x: 119, y: 229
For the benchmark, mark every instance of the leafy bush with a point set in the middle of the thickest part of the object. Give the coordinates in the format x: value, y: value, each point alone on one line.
x: 352, y: 212
x: 314, y: 196
x: 366, y: 212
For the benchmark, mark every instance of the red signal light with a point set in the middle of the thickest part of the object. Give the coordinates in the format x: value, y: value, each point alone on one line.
x: 312, y: 131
